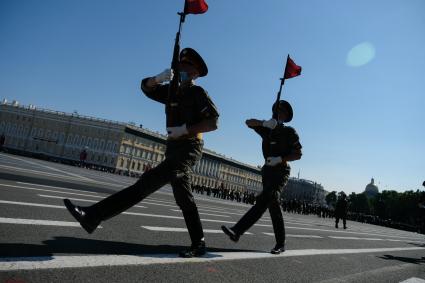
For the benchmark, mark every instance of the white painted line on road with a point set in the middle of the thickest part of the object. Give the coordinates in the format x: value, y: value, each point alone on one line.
x: 413, y: 280
x: 296, y: 236
x: 159, y: 204
x: 79, y: 199
x: 39, y: 222
x: 356, y: 238
x: 175, y: 229
x: 353, y: 232
x: 216, y: 208
x: 201, y: 213
x: 39, y: 164
x: 31, y: 204
x: 61, y: 262
x: 54, y: 187
x: 56, y: 175
x: 50, y: 191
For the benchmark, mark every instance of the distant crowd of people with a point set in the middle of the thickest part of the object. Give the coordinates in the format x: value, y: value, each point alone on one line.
x: 241, y: 195
x: 307, y: 208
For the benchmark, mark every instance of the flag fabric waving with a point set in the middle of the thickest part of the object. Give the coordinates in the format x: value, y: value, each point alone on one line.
x: 291, y: 69
x: 195, y: 6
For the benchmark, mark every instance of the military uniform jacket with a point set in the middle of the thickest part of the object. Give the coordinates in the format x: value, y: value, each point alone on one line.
x: 190, y: 106
x: 281, y: 141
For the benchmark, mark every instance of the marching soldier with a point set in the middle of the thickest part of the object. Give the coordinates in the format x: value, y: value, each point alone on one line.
x: 189, y: 114
x: 280, y: 145
x: 341, y: 210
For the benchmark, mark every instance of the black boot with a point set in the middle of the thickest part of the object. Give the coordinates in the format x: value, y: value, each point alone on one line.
x: 232, y: 234
x: 278, y: 249
x: 195, y: 250
x: 87, y: 221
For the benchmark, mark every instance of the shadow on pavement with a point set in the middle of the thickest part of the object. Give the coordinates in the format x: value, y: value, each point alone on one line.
x: 404, y: 259
x: 78, y: 246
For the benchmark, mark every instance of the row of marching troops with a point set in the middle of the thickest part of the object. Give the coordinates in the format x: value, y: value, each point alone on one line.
x: 238, y: 195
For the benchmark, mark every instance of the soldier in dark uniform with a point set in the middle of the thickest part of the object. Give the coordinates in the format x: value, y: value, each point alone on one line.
x: 189, y: 114
x: 341, y: 210
x: 280, y: 145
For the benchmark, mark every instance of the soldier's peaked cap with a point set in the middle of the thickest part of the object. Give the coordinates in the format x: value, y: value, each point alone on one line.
x: 283, y: 105
x: 196, y: 59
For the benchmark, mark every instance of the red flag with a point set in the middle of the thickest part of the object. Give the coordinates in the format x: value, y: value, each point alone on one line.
x: 292, y: 69
x: 195, y: 6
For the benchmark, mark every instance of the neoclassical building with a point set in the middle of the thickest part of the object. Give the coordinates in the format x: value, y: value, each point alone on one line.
x: 114, y: 146
x: 304, y: 190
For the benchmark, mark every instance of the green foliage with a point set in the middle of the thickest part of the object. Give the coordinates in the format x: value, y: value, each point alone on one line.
x: 391, y: 205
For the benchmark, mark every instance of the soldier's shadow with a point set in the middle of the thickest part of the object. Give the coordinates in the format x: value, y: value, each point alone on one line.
x: 79, y: 246
x: 404, y: 259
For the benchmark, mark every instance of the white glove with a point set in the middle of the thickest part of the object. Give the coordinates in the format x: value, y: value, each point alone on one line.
x: 271, y: 124
x: 273, y: 161
x: 175, y: 132
x: 166, y: 75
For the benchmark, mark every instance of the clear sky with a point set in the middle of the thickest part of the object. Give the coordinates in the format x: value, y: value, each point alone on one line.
x: 359, y: 103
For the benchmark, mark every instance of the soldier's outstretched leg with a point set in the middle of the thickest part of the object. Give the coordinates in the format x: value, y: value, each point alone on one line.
x: 91, y: 216
x: 278, y: 225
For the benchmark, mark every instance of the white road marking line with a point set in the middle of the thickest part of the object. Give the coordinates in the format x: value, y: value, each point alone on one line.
x: 201, y: 213
x: 54, y: 187
x: 50, y: 191
x: 352, y: 232
x: 175, y: 229
x: 39, y: 164
x: 57, y: 175
x: 413, y: 280
x: 356, y: 238
x: 61, y: 262
x: 31, y: 204
x: 296, y: 236
x: 159, y: 204
x: 79, y: 199
x: 39, y: 222
x: 220, y: 209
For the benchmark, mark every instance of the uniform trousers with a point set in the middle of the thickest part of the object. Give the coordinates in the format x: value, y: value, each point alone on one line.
x: 274, y: 180
x: 180, y: 157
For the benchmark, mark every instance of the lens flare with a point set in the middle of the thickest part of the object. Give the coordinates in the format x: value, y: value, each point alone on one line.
x: 360, y: 54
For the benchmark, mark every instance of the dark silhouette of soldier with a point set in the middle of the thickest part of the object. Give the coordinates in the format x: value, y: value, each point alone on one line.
x: 189, y: 115
x: 280, y: 145
x: 341, y: 210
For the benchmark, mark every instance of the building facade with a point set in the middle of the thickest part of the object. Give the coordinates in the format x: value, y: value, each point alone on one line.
x: 304, y: 190
x: 113, y: 146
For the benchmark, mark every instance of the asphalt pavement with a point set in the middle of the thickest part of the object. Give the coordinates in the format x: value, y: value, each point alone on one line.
x: 41, y: 242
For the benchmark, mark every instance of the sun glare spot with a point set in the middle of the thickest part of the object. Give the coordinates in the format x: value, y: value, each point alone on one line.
x: 360, y: 54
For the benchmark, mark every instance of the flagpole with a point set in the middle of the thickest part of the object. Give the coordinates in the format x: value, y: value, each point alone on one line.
x: 174, y: 83
x: 282, y: 80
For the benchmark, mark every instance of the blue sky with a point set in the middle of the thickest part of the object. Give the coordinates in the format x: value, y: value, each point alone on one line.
x: 359, y: 103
